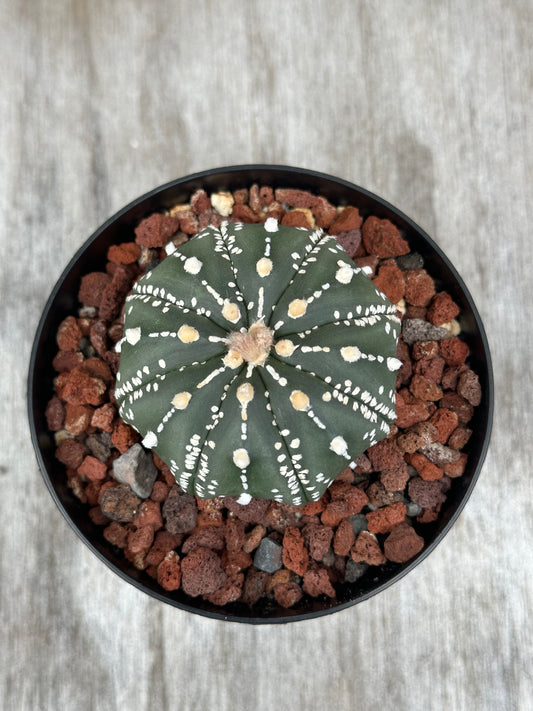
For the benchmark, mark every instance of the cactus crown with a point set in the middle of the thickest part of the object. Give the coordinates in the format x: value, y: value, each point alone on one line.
x: 258, y: 360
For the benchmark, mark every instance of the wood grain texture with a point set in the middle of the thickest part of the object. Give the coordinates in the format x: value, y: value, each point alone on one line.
x: 425, y: 103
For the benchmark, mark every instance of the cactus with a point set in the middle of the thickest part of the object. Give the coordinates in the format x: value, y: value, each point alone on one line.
x: 258, y: 361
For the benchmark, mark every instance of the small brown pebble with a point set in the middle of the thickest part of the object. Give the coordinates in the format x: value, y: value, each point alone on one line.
x: 156, y: 230
x: 140, y: 539
x: 159, y: 491
x: 462, y: 408
x: 236, y: 561
x: 102, y: 417
x: 169, y: 572
x: 287, y: 594
x: 384, y: 519
x: 417, y: 436
x: 253, y: 538
x: 65, y: 361
x: 235, y: 534
x: 439, y: 454
x: 425, y: 493
x: 403, y: 543
x: 209, y: 537
x: 229, y: 592
x: 119, y: 503
x: 55, y: 414
x: 325, y: 213
x: 92, y: 287
x: 254, y: 585
x: 115, y: 292
x: 459, y: 437
x: 202, y: 572
x: 149, y: 514
x: 368, y: 264
x: 385, y: 455
x: 350, y: 502
x: 250, y: 513
x: 366, y: 550
x: 200, y: 201
x: 394, y: 480
x: 450, y: 376
x: 116, y: 534
x: 123, y: 436
x: 424, y: 389
x: 295, y: 198
x: 382, y: 238
x: 316, y: 582
x: 243, y: 213
x: 431, y: 368
x: 425, y: 349
x: 164, y: 542
x: 98, y: 336
x: 445, y: 422
x: 278, y: 516
x: 97, y: 517
x: 297, y: 218
x: 295, y: 555
x: 348, y: 219
x: 179, y: 511
x: 410, y: 410
x: 349, y: 241
x: 457, y: 468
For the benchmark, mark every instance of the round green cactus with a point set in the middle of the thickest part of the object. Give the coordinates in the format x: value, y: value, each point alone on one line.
x: 258, y: 360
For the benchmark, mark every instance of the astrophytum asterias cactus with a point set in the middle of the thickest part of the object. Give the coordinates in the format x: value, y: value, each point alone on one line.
x: 258, y: 360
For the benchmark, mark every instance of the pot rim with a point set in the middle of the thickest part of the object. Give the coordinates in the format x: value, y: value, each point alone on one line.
x: 252, y: 173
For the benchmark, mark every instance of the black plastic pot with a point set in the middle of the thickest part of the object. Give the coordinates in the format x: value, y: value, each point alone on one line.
x: 92, y: 256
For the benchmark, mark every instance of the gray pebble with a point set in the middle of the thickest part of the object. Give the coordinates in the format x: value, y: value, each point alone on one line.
x: 268, y: 556
x: 99, y: 445
x: 439, y: 454
x: 359, y: 522
x: 416, y: 329
x: 413, y: 509
x: 137, y: 469
x: 413, y: 260
x: 354, y: 571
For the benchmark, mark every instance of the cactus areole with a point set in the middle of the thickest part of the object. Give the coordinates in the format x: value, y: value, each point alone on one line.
x: 258, y: 361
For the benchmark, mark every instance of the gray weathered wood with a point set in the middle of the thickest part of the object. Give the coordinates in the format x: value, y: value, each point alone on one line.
x: 425, y: 103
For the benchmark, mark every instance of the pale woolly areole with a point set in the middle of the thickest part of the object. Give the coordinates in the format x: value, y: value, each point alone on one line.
x: 258, y: 361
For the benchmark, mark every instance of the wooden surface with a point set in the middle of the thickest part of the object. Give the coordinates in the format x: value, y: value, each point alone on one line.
x: 426, y: 103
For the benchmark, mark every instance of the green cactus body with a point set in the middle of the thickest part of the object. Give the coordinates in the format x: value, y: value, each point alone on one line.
x: 258, y: 360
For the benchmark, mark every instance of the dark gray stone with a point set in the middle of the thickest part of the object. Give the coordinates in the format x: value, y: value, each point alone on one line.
x: 413, y: 509
x: 359, y: 522
x: 268, y: 556
x: 354, y: 571
x: 416, y: 329
x: 137, y: 469
x: 413, y: 260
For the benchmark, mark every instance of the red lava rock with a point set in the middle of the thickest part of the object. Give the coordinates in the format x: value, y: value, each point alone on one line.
x: 200, y: 201
x: 156, y: 230
x: 77, y: 418
x: 469, y: 388
x: 442, y: 309
x: 92, y: 468
x: 229, y: 592
x: 457, y: 468
x: 405, y: 372
x: 70, y: 452
x: 315, y: 507
x: 250, y: 513
x: 344, y: 538
x: 115, y: 292
x: 297, y: 218
x: 431, y: 368
x: 55, y: 414
x: 68, y: 334
x: 424, y: 389
x: 445, y: 422
x: 65, y: 361
x: 419, y: 287
x: 140, y: 539
x: 125, y: 253
x: 209, y: 537
x: 235, y: 561
x: 180, y: 511
x: 385, y: 455
x: 318, y: 539
x: 425, y: 349
x: 278, y: 516
x: 295, y: 198
x: 123, y: 436
x: 427, y: 470
x: 325, y: 213
x: 316, y: 582
x: 92, y: 288
x: 119, y: 503
x: 116, y: 534
x: 427, y: 494
x: 390, y: 281
x: 79, y: 388
x: 410, y: 410
x: 254, y: 585
x: 351, y: 501
x: 97, y: 368
x: 348, y: 219
x: 243, y: 213
x: 454, y: 351
x: 382, y: 238
x: 287, y: 594
x: 383, y: 520
x: 368, y: 263
x: 102, y: 418
x: 462, y: 408
x: 164, y: 542
x: 159, y: 491
x: 202, y: 572
x: 416, y: 437
x: 169, y: 572
x: 261, y: 197
x: 98, y: 337
x: 295, y: 555
x: 235, y: 535
x: 149, y: 514
x: 459, y: 437
x: 210, y: 512
x: 394, y: 480
x: 349, y: 241
x: 366, y: 549
x: 403, y: 543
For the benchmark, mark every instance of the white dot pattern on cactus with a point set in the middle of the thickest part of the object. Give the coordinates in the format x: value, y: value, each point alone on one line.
x: 257, y: 360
